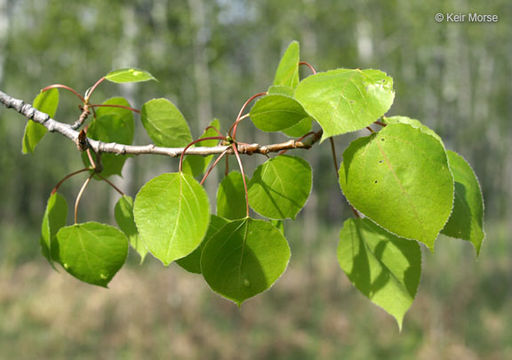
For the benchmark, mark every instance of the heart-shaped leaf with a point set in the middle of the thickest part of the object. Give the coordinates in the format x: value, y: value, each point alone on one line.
x: 466, y: 220
x: 400, y: 178
x: 165, y: 124
x: 385, y: 268
x: 192, y: 262
x: 129, y: 75
x: 345, y: 100
x: 92, y: 252
x: 277, y: 112
x: 172, y: 213
x: 231, y: 197
x: 46, y: 102
x: 112, y: 124
x: 123, y: 213
x: 287, y: 73
x: 280, y: 187
x: 54, y: 218
x: 244, y: 258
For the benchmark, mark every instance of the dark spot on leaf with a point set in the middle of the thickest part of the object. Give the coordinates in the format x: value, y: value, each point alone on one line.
x: 380, y: 161
x: 382, y: 139
x: 375, y: 182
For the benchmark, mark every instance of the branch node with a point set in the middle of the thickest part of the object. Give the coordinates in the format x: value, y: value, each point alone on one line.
x: 81, y: 142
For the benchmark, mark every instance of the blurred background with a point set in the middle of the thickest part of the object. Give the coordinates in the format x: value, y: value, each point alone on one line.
x: 209, y: 57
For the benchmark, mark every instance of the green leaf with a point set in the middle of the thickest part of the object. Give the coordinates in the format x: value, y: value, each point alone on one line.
x: 466, y: 220
x: 172, y: 213
x: 280, y: 90
x: 385, y: 268
x: 112, y: 124
x: 123, y: 213
x: 299, y: 129
x: 244, y: 258
x: 276, y: 112
x: 129, y: 75
x: 345, y: 100
x: 287, y: 73
x: 413, y: 122
x: 46, y: 102
x: 92, y: 252
x: 278, y: 224
x: 399, y: 178
x: 192, y: 262
x: 231, y: 197
x: 197, y: 165
x: 54, y: 218
x: 165, y: 124
x: 280, y: 187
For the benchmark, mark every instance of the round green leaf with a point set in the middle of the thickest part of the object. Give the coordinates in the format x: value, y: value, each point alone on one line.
x: 197, y: 165
x: 192, y: 262
x: 280, y: 187
x: 92, y: 252
x: 466, y: 220
x: 277, y: 112
x: 123, y: 213
x: 112, y: 124
x: 345, y: 100
x: 413, y: 122
x: 54, y: 218
x: 399, y: 178
x: 172, y: 213
x: 165, y: 124
x: 231, y: 197
x: 385, y: 268
x: 46, y: 102
x: 129, y: 75
x: 287, y: 73
x: 244, y: 258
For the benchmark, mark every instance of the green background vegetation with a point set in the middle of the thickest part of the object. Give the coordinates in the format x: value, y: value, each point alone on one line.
x: 209, y: 57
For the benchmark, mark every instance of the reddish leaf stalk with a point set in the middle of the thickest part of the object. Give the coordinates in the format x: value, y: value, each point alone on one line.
x: 195, y: 142
x: 309, y: 66
x: 80, y: 193
x: 237, y: 155
x: 115, y: 106
x: 213, y: 166
x: 91, y: 90
x: 56, y: 188
x: 213, y: 128
x: 111, y: 184
x: 60, y: 86
x: 238, y: 118
x: 93, y: 163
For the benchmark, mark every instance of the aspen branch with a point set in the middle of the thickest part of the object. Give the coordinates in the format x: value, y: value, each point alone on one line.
x: 67, y: 130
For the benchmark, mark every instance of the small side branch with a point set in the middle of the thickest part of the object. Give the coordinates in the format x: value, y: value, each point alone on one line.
x: 66, y: 130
